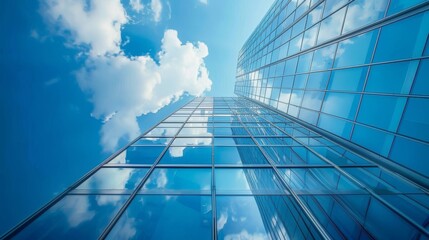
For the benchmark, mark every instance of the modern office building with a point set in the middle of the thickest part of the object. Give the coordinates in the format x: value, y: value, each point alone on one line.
x: 328, y: 139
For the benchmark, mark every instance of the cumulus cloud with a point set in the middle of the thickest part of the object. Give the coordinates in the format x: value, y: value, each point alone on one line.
x: 95, y: 23
x: 120, y: 87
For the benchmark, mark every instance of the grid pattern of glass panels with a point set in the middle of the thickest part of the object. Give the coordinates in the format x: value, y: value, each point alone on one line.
x: 357, y: 69
x: 227, y: 168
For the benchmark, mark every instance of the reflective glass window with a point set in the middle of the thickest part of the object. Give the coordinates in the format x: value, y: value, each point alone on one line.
x: 318, y: 80
x: 411, y: 154
x: 356, y: 50
x: 75, y: 217
x: 163, y: 132
x: 165, y: 217
x: 295, y: 44
x: 323, y: 58
x: 247, y: 181
x: 416, y: 29
x: 363, y: 12
x: 276, y: 141
x: 187, y: 155
x: 230, y: 131
x: 331, y: 26
x: 152, y: 141
x: 238, y: 155
x: 293, y: 155
x: 372, y: 139
x: 304, y: 63
x: 300, y: 81
x: 308, y: 116
x: 399, y: 5
x: 310, y: 37
x: 296, y: 97
x: 313, y: 99
x: 139, y: 155
x: 114, y: 179
x: 191, y: 141
x: 351, y: 79
x: 415, y: 122
x: 341, y: 104
x: 421, y: 85
x: 203, y: 132
x: 290, y: 66
x: 333, y: 5
x: 315, y: 15
x: 195, y: 180
x: 392, y: 78
x: 335, y: 125
x: 381, y: 111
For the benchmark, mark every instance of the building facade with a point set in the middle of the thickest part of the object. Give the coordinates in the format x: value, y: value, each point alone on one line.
x: 357, y: 69
x: 328, y: 139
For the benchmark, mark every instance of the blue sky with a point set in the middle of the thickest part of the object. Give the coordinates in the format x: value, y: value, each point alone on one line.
x: 80, y: 78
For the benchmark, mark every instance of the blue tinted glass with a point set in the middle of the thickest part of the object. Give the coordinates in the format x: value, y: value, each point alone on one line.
x: 287, y: 82
x: 114, y: 179
x: 261, y: 217
x: 290, y: 66
x: 187, y: 155
x: 351, y: 79
x: 372, y: 139
x: 196, y: 180
x: 75, y: 217
x: 323, y: 58
x: 318, y: 80
x: 392, y: 78
x: 247, y: 181
x: 296, y: 97
x: 308, y: 116
x: 411, y: 154
x: 163, y: 132
x: 298, y: 27
x: 293, y: 155
x: 331, y: 26
x: 363, y: 12
x: 233, y: 141
x: 300, y: 81
x: 335, y: 125
x: 310, y: 37
x: 165, y: 217
x: 230, y: 131
x: 304, y: 62
x: 421, y: 85
x: 416, y: 29
x: 152, y: 141
x: 381, y: 111
x: 192, y: 141
x: 315, y: 15
x: 331, y: 6
x: 356, y: 50
x: 318, y: 180
x: 313, y: 100
x: 276, y: 141
x: 341, y: 104
x: 295, y: 45
x: 399, y: 5
x: 138, y: 155
x: 415, y: 122
x: 238, y: 155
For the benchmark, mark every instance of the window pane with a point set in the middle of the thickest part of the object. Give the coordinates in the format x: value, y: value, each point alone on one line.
x: 114, y: 179
x: 356, y: 50
x: 335, y: 125
x: 313, y: 100
x: 392, y: 78
x: 187, y: 155
x: 193, y: 180
x: 138, y: 155
x: 411, y: 154
x: 238, y: 155
x: 152, y: 141
x: 363, y: 12
x: 331, y: 26
x: 341, y: 104
x: 233, y: 141
x: 318, y: 80
x: 165, y: 217
x: 381, y: 111
x: 399, y: 5
x: 75, y: 217
x: 163, y: 132
x: 261, y: 217
x: 247, y: 181
x: 304, y: 62
x: 415, y: 122
x: 416, y: 29
x: 323, y: 58
x: 192, y: 141
x: 372, y: 139
x: 293, y: 155
x: 196, y: 132
x: 351, y: 79
x: 421, y: 85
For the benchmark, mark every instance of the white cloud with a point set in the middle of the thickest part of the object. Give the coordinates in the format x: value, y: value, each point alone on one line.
x: 123, y: 88
x: 136, y: 5
x: 95, y: 23
x: 204, y: 2
x: 156, y: 7
x: 222, y: 220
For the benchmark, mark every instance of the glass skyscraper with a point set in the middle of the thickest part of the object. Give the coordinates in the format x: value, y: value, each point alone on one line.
x: 328, y: 139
